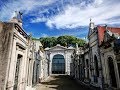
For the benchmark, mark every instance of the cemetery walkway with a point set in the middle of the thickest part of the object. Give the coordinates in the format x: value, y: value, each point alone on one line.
x: 61, y: 82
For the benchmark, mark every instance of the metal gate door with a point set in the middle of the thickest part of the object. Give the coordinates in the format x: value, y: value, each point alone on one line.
x: 58, y: 64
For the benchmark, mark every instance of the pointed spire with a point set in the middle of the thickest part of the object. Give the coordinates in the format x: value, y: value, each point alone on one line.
x: 91, y: 27
x: 91, y: 24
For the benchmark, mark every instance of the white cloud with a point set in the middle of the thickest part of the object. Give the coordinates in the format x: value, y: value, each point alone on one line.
x: 44, y: 35
x: 28, y: 6
x: 71, y: 16
x: 35, y: 20
x: 98, y: 2
x: 74, y: 16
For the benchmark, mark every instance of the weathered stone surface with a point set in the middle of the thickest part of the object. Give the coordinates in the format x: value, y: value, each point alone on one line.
x: 60, y: 50
x: 5, y: 40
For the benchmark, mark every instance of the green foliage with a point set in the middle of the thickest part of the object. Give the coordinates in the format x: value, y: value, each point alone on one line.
x: 48, y: 41
x: 62, y: 40
x: 35, y: 38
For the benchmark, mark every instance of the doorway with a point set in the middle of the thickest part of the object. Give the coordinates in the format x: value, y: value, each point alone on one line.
x: 19, y: 58
x: 58, y: 64
x: 112, y: 72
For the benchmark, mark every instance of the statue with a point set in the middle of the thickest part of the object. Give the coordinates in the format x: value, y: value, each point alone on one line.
x: 18, y: 16
x: 90, y: 20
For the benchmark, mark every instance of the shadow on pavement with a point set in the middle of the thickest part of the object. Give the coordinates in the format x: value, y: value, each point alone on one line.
x: 64, y: 82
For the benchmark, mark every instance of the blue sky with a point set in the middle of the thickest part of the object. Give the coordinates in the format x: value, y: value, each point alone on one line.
x: 45, y: 18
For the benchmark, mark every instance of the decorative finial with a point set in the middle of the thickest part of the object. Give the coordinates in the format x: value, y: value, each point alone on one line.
x: 90, y: 20
x: 76, y: 45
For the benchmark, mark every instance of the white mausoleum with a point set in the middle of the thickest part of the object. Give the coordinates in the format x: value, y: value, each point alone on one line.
x: 59, y: 59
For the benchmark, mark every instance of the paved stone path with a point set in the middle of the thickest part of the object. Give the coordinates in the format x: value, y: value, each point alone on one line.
x: 60, y: 82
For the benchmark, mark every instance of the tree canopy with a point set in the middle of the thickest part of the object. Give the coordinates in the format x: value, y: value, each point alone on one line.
x: 62, y: 40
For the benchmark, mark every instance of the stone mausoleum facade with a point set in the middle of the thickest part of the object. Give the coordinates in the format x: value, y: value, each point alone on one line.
x: 99, y: 63
x: 22, y: 59
x: 59, y: 59
x: 24, y: 63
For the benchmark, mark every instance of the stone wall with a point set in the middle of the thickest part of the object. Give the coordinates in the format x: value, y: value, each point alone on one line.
x: 6, y: 35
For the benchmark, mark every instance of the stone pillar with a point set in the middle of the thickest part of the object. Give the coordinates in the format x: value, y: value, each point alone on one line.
x: 30, y: 72
x: 66, y: 65
x: 51, y: 56
x: 10, y: 81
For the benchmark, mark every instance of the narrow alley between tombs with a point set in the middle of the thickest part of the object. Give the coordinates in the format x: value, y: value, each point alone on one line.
x: 77, y: 55
x: 61, y: 82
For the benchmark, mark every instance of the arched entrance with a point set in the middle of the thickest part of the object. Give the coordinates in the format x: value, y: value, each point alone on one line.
x: 112, y: 72
x: 58, y: 64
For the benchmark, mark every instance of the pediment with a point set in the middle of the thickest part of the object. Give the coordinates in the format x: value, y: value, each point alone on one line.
x: 57, y: 48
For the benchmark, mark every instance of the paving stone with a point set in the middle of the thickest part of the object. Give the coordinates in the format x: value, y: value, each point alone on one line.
x: 60, y: 82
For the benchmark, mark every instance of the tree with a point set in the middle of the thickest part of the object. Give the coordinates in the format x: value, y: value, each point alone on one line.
x: 48, y: 41
x: 62, y: 40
